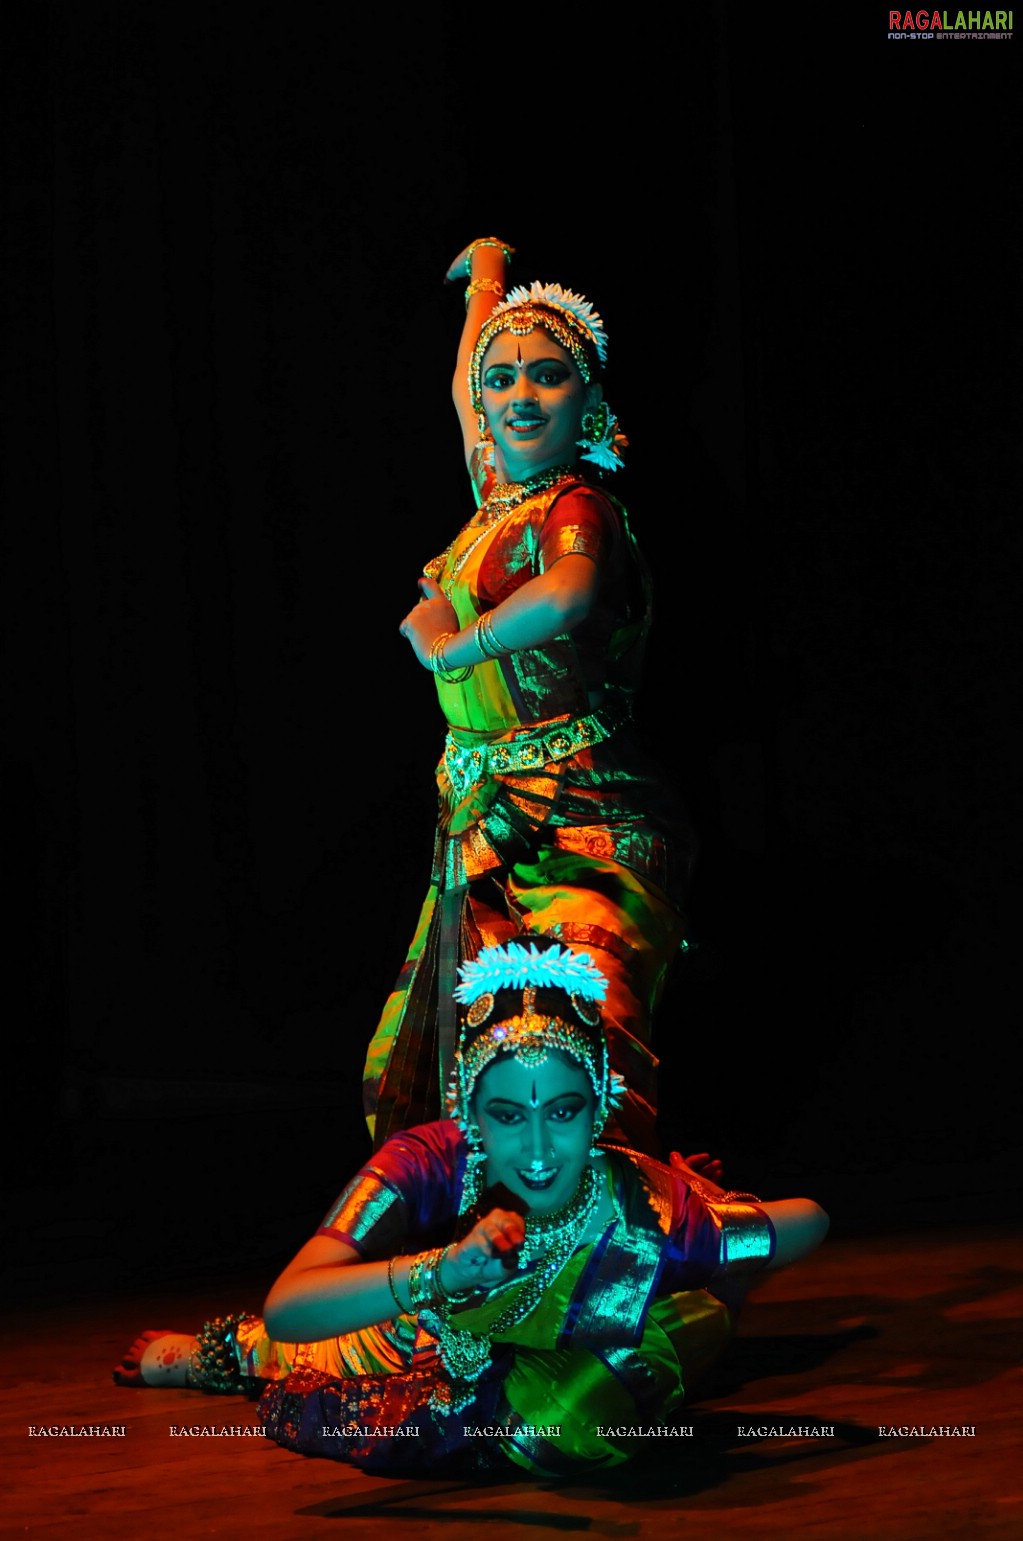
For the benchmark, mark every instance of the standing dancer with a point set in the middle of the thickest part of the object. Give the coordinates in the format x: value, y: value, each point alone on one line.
x: 553, y: 819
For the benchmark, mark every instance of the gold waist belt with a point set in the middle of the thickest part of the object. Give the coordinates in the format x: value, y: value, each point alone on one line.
x: 468, y: 765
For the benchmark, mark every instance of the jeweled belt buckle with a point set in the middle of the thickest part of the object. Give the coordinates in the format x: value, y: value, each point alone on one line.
x: 466, y: 767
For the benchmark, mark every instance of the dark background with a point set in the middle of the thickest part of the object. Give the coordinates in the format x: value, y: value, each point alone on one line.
x: 229, y: 447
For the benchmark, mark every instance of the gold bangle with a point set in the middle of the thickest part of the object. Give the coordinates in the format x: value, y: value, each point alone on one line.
x: 486, y: 639
x: 446, y: 1296
x: 435, y: 662
x: 487, y: 240
x: 390, y: 1280
x: 422, y: 1279
x: 437, y: 646
x: 495, y: 642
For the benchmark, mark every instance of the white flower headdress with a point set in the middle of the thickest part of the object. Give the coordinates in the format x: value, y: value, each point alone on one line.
x: 515, y: 966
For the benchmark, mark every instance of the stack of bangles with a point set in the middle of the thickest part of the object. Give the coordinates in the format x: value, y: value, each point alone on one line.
x: 425, y: 1287
x: 483, y: 636
x: 435, y: 661
x: 487, y: 642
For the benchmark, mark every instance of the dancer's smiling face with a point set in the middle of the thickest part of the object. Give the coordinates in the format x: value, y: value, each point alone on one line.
x: 534, y: 398
x: 536, y: 1123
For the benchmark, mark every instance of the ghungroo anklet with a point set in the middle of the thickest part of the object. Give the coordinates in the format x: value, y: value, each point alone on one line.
x: 213, y: 1366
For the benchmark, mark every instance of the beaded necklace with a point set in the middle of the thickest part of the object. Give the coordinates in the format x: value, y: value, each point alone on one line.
x: 505, y: 495
x: 502, y: 499
x: 550, y: 1241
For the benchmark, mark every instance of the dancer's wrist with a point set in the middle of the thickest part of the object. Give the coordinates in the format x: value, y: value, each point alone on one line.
x: 486, y: 255
x: 440, y: 662
x: 453, y: 1284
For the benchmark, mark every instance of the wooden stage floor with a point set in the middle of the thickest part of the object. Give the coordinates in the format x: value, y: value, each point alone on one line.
x: 918, y: 1330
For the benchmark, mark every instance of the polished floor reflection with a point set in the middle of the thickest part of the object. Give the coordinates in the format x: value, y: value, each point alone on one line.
x: 822, y: 1421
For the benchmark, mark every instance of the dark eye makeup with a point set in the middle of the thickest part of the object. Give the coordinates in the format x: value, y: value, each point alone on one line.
x: 561, y: 1110
x: 500, y: 377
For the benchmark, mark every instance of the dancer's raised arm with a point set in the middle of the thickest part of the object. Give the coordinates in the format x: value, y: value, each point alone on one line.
x: 483, y: 264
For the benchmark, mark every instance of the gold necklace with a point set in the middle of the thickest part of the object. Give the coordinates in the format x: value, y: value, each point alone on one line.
x: 466, y: 1354
x: 502, y: 499
x: 549, y: 1232
x: 505, y: 495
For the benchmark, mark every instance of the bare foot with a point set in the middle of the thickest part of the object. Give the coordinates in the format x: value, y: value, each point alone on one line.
x: 158, y: 1357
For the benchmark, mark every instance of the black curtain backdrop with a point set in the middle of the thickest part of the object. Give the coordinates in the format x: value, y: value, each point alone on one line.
x: 229, y: 447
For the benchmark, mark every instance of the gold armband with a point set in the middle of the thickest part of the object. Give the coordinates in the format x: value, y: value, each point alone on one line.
x: 747, y: 1236
x: 483, y: 286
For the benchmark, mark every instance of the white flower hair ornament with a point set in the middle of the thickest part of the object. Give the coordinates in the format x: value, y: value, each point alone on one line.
x: 514, y: 967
